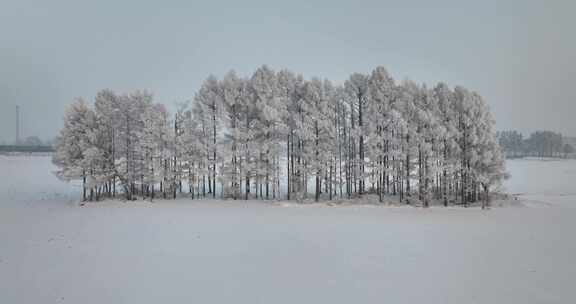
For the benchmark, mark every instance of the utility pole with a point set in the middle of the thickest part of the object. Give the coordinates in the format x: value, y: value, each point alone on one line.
x: 17, y: 125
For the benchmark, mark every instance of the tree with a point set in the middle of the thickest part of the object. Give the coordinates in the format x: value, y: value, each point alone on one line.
x: 130, y: 162
x: 32, y: 141
x: 153, y: 139
x: 568, y: 149
x: 72, y: 142
x: 487, y: 158
x: 210, y: 98
x: 367, y: 136
x: 357, y: 87
x: 234, y: 94
x: 382, y: 117
x: 288, y: 86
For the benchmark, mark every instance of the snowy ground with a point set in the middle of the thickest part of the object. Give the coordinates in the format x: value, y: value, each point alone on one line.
x: 52, y: 251
x: 550, y: 182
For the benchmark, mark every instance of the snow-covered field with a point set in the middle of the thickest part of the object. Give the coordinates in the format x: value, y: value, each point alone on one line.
x: 53, y: 251
x: 550, y: 182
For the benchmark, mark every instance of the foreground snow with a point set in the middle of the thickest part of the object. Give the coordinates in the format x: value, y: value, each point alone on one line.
x: 52, y: 251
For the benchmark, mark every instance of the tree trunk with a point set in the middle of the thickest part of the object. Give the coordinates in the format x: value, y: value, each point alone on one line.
x: 83, y: 185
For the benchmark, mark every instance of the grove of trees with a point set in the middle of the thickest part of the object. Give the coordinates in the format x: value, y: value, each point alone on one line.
x: 539, y: 144
x: 276, y: 135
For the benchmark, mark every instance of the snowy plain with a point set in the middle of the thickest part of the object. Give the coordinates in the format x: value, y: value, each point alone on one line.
x: 54, y: 251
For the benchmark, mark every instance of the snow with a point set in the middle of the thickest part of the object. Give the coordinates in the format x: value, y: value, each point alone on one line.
x: 29, y: 177
x: 53, y: 251
x: 544, y: 182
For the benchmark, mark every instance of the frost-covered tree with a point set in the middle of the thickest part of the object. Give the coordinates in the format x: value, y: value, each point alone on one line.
x: 512, y: 142
x: 234, y: 95
x: 245, y: 136
x: 382, y: 116
x: 447, y: 135
x: 568, y: 149
x: 357, y: 88
x: 287, y: 92
x: 154, y: 138
x: 209, y: 98
x: 486, y: 161
x: 268, y: 120
x: 72, y: 143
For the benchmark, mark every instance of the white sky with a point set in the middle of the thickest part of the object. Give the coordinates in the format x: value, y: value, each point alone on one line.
x: 520, y: 55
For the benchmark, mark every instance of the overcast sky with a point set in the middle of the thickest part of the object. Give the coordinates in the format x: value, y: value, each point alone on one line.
x: 520, y: 55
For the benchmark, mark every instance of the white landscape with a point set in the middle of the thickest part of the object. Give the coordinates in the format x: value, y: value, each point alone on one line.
x: 52, y: 250
x: 293, y: 152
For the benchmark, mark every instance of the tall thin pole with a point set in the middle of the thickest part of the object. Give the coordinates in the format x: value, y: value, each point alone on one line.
x: 17, y: 125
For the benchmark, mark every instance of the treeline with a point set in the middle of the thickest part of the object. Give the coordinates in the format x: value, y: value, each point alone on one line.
x: 276, y: 135
x: 538, y: 144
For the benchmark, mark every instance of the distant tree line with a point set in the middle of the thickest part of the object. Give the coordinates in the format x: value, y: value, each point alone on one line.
x: 30, y: 141
x: 25, y: 149
x: 538, y: 144
x: 30, y: 144
x: 276, y: 135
